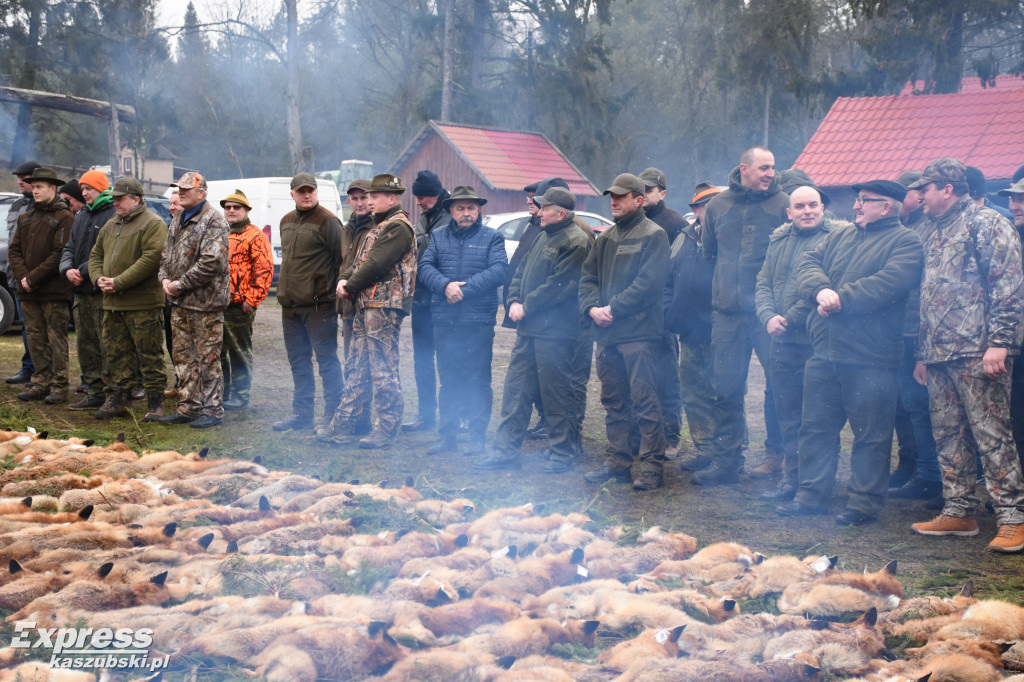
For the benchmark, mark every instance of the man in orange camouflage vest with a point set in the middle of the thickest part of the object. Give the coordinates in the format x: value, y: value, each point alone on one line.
x: 250, y: 271
x: 380, y: 280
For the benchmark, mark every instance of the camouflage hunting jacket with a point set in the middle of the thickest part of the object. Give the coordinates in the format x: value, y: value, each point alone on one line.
x: 196, y: 255
x: 972, y: 291
x: 383, y: 275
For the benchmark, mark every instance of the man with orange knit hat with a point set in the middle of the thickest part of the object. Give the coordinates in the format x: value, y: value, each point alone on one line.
x: 88, y: 305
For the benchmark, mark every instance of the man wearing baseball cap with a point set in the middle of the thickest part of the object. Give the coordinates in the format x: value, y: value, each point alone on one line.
x: 621, y: 293
x: 250, y: 271
x: 34, y: 255
x: 194, y: 275
x: 543, y: 302
x: 380, y: 280
x: 972, y: 324
x: 310, y: 261
x: 88, y: 306
x: 123, y: 265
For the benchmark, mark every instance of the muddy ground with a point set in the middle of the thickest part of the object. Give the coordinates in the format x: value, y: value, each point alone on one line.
x: 731, y: 513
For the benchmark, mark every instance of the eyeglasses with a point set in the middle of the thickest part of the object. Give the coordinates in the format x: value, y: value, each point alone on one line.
x: 865, y: 200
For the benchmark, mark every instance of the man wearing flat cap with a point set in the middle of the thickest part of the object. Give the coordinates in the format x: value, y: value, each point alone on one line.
x: 688, y: 314
x: 380, y: 280
x: 738, y: 224
x: 88, y: 305
x: 20, y: 205
x: 34, y: 255
x: 250, y: 271
x: 544, y: 303
x: 1015, y: 194
x: 621, y: 292
x: 124, y: 265
x: 971, y: 330
x: 195, y: 276
x: 463, y: 267
x: 857, y: 279
x: 306, y: 289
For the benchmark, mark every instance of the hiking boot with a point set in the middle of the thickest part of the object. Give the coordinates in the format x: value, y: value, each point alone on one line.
x: 113, y: 406
x: 771, y: 466
x: 22, y: 377
x: 947, y: 525
x: 557, y: 466
x: 647, y: 480
x: 295, y: 422
x: 604, y: 472
x: 89, y: 402
x: 443, y: 446
x: 785, y: 492
x: 205, y: 421
x: 236, y: 403
x: 363, y: 427
x: 1010, y: 538
x: 854, y: 517
x: 538, y: 432
x: 698, y: 463
x: 497, y: 461
x: 175, y: 418
x: 56, y: 396
x: 375, y: 441
x: 154, y: 407
x: 33, y: 393
x: 800, y: 509
x: 419, y: 424
x: 337, y: 432
x: 138, y: 393
x: 917, y: 489
x: 716, y: 474
x: 903, y: 474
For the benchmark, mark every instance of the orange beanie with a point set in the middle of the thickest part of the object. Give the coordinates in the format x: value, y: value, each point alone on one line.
x: 95, y: 179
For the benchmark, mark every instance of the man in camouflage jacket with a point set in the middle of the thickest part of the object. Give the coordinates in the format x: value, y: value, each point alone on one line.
x: 194, y: 275
x: 971, y: 329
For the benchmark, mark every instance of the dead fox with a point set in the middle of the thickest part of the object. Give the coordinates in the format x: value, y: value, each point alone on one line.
x: 987, y: 620
x: 959, y: 668
x: 647, y: 645
x: 824, y: 600
x: 523, y: 636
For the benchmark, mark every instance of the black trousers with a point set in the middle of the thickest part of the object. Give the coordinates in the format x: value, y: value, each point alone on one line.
x: 423, y: 361
x: 464, y: 367
x: 308, y: 331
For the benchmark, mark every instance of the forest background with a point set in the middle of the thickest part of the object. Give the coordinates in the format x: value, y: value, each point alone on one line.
x: 253, y: 88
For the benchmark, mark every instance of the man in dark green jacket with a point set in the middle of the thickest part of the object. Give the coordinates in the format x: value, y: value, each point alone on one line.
x: 783, y: 312
x: 543, y: 302
x: 124, y: 264
x: 737, y: 226
x: 859, y: 277
x: 310, y: 264
x: 621, y: 292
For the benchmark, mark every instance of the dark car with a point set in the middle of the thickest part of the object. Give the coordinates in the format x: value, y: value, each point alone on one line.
x: 160, y: 205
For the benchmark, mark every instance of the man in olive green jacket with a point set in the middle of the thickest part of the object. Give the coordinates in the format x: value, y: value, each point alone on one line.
x: 621, y: 291
x: 123, y: 265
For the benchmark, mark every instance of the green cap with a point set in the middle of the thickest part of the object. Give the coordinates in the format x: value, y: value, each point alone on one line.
x: 627, y: 183
x: 127, y: 186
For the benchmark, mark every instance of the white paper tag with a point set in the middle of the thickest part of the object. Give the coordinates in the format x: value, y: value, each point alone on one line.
x: 821, y: 564
x: 500, y: 552
x: 582, y: 572
x: 661, y: 636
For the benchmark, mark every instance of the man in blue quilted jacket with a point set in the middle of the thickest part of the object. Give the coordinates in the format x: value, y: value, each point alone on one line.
x: 463, y: 266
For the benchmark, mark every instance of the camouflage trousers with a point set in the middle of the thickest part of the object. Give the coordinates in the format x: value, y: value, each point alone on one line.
x: 131, y: 334
x: 88, y: 312
x: 197, y: 336
x: 46, y: 332
x: 371, y: 370
x: 970, y: 417
x: 236, y: 352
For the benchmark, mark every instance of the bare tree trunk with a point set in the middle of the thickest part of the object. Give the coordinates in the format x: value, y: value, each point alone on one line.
x: 291, y: 93
x: 767, y: 112
x: 22, y: 146
x: 446, y: 61
x: 114, y: 142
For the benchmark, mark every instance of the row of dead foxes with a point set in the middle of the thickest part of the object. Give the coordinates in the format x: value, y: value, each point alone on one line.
x: 133, y: 541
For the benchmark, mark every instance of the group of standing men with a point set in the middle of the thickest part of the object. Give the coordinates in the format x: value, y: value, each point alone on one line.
x: 102, y: 249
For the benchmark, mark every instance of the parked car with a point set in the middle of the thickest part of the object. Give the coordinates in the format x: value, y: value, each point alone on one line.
x: 8, y: 313
x: 160, y: 205
x: 512, y: 225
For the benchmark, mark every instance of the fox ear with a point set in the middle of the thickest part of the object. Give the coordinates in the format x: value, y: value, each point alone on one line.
x: 119, y: 438
x: 811, y: 671
x: 87, y: 442
x: 43, y: 435
x: 870, y: 617
x: 375, y: 627
x: 159, y: 579
x: 259, y: 458
x: 925, y: 677
x: 232, y: 547
x: 410, y: 482
x: 85, y: 512
x: 354, y: 481
x: 383, y: 484
x: 968, y: 589
x: 203, y: 453
x: 832, y: 561
x: 590, y: 626
x: 205, y: 541
x: 513, y: 551
x: 673, y: 635
x: 577, y: 556
x: 401, y: 533
x: 461, y: 540
x: 26, y: 502
x: 170, y: 529
x: 758, y: 558
x: 506, y: 661
x: 105, y: 569
x: 265, y: 504
x: 890, y: 567
x: 729, y: 604
x: 14, y: 567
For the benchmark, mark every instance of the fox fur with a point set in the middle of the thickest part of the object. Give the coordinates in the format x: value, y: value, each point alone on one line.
x: 649, y: 644
x: 828, y: 600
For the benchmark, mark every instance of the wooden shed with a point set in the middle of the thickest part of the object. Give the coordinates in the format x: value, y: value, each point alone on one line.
x: 497, y: 163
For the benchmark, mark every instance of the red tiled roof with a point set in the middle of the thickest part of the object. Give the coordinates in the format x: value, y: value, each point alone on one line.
x: 863, y: 138
x: 506, y: 159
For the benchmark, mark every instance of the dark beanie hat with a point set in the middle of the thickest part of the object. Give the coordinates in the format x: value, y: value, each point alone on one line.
x: 427, y: 184
x: 72, y: 189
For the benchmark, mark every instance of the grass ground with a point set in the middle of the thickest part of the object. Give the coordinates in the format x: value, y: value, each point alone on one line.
x: 731, y: 513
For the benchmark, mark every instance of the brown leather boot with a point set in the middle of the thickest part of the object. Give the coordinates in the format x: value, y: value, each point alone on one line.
x: 113, y: 406
x: 154, y: 407
x: 771, y: 465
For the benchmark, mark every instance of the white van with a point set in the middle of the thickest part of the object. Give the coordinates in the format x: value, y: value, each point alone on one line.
x: 271, y: 199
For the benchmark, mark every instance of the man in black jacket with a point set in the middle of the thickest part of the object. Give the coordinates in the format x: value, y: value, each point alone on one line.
x: 543, y: 302
x: 19, y: 206
x: 737, y: 225
x: 621, y: 292
x: 859, y: 278
x: 430, y: 196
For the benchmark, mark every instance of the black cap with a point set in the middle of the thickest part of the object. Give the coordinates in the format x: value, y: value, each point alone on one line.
x: 531, y: 188
x: 547, y: 183
x: 27, y: 168
x: 975, y: 182
x: 792, y: 178
x: 887, y: 188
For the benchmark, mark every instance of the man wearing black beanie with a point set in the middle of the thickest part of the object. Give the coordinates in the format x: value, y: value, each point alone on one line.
x: 430, y: 196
